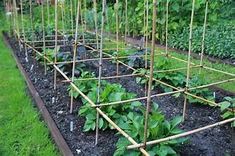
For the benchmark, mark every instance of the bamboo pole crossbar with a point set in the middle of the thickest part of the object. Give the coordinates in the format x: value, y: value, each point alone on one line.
x: 138, y: 99
x: 182, y: 134
x: 219, y: 71
x: 106, y: 58
x: 212, y: 84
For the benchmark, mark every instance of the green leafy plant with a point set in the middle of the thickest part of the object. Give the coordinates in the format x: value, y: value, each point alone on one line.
x: 229, y: 103
x: 85, y: 86
x: 204, y: 92
x: 109, y: 93
x: 159, y: 127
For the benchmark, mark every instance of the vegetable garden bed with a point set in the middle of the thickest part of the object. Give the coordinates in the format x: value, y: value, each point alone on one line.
x: 80, y: 141
x: 112, y: 85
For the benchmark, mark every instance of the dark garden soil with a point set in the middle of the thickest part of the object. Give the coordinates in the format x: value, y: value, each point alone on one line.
x: 213, y: 142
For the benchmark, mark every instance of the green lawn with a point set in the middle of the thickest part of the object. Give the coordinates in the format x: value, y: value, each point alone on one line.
x: 21, y: 131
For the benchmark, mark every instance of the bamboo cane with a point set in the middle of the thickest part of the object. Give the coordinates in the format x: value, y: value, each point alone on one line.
x: 189, y: 58
x: 167, y: 13
x: 151, y: 72
x: 182, y: 134
x: 203, y: 34
x: 100, y: 70
x: 212, y: 84
x: 74, y: 54
x: 56, y: 38
x: 48, y: 13
x: 43, y: 36
x: 71, y: 14
x: 126, y: 20
x: 138, y: 99
x: 219, y: 71
x: 117, y: 34
x: 83, y: 27
x: 62, y: 18
x: 31, y: 20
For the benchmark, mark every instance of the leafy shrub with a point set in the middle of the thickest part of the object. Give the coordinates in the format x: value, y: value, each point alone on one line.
x: 219, y: 41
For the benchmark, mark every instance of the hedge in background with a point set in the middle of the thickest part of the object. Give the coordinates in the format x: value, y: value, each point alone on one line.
x: 219, y: 41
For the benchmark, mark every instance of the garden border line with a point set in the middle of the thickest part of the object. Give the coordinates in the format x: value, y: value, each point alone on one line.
x: 54, y: 131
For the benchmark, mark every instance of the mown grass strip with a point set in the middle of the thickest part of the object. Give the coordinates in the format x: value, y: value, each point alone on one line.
x: 21, y: 131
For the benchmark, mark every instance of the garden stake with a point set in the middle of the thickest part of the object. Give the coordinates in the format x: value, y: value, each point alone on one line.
x: 62, y: 18
x: 203, y: 36
x: 167, y: 14
x: 82, y: 21
x: 31, y: 22
x: 189, y: 58
x: 17, y: 24
x: 48, y: 13
x: 146, y: 41
x: 43, y: 38
x: 71, y: 14
x: 96, y: 24
x: 22, y: 25
x: 126, y: 20
x: 151, y: 73
x: 100, y: 61
x: 117, y: 33
x: 74, y: 55
x: 56, y: 40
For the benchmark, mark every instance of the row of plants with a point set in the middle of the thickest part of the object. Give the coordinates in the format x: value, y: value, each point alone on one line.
x: 219, y: 41
x: 129, y: 117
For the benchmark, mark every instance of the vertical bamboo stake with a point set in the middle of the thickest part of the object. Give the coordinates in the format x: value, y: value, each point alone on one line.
x: 71, y: 14
x: 146, y: 40
x: 14, y: 19
x: 17, y: 24
x: 126, y: 20
x: 31, y: 21
x: 189, y: 58
x: 167, y: 16
x: 117, y: 34
x: 56, y: 40
x: 151, y: 73
x: 62, y: 18
x: 74, y: 54
x: 98, y: 88
x: 85, y: 10
x: 100, y: 71
x: 82, y: 20
x: 48, y: 13
x: 203, y: 35
x: 96, y: 25
x: 43, y: 38
x: 23, y: 32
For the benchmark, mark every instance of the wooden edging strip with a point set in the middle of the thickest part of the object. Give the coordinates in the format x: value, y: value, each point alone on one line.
x: 55, y: 133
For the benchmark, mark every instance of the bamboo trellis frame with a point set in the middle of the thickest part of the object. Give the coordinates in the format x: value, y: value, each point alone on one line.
x: 101, y: 51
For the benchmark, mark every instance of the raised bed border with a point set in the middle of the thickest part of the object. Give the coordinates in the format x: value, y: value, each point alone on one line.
x: 54, y: 131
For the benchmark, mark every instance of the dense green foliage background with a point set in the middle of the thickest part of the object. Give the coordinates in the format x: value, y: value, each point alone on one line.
x: 220, y: 23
